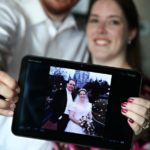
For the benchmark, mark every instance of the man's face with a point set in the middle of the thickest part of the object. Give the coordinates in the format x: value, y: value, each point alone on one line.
x: 58, y: 6
x: 71, y: 85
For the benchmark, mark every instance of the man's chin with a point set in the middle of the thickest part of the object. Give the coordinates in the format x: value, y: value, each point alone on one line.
x: 59, y: 11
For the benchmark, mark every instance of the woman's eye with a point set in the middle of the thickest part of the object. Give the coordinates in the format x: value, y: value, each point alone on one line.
x: 93, y: 20
x: 114, y: 22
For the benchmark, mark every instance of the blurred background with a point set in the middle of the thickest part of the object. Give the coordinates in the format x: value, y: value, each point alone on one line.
x: 143, y: 8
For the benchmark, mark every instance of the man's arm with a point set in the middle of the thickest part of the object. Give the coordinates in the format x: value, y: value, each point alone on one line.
x: 8, y: 30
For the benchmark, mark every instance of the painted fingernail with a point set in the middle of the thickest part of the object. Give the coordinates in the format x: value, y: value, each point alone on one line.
x: 124, y: 110
x: 131, y: 121
x: 124, y: 104
x: 130, y: 100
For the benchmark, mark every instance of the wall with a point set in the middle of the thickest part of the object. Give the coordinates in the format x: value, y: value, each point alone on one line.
x: 143, y: 8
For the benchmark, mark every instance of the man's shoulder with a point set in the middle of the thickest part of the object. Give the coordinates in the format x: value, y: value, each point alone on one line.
x: 11, y: 8
x: 61, y: 91
x: 31, y: 9
x: 28, y: 9
x: 8, y: 3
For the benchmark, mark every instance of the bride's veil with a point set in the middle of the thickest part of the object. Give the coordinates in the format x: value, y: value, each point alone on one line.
x: 77, y: 98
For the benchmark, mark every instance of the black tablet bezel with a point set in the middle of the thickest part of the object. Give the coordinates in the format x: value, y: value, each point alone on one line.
x: 106, y: 142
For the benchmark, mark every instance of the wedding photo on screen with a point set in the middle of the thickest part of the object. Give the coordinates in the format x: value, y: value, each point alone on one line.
x: 77, y: 101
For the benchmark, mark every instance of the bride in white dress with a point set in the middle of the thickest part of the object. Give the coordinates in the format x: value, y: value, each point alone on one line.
x: 77, y: 109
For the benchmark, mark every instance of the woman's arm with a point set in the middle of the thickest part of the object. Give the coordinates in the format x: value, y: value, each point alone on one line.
x: 72, y: 117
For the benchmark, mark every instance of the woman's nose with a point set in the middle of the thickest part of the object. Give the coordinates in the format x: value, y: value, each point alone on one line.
x: 101, y: 28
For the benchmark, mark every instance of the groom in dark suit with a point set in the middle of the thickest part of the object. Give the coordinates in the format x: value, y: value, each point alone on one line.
x: 61, y: 102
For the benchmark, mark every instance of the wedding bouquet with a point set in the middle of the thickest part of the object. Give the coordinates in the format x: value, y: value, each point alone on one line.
x: 87, y: 125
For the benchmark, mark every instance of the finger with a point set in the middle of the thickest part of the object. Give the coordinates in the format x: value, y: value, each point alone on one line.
x: 13, y: 100
x: 138, y: 109
x: 137, y: 118
x: 7, y: 113
x: 7, y: 105
x: 7, y: 80
x: 12, y: 107
x: 4, y: 104
x: 135, y: 127
x: 6, y: 92
x: 140, y: 101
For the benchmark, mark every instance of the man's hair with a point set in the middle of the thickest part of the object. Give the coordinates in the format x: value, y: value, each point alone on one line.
x: 71, y: 80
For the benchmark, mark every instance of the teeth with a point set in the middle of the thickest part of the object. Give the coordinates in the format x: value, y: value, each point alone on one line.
x: 101, y: 42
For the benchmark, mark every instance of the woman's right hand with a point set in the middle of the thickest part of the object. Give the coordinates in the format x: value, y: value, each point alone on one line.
x: 8, y: 94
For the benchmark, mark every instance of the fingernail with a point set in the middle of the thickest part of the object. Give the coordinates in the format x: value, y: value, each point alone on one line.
x: 130, y: 100
x: 131, y: 121
x: 124, y: 104
x: 124, y: 110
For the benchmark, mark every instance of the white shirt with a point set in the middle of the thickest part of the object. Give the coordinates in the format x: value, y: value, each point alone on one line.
x: 69, y: 101
x: 8, y: 141
x: 25, y: 29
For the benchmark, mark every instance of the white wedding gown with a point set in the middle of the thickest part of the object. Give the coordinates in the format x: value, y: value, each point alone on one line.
x: 80, y: 110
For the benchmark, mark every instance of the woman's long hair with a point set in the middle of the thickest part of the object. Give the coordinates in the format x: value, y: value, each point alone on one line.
x: 133, y: 54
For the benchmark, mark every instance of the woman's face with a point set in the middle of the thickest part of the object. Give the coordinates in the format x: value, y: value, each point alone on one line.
x: 82, y: 95
x: 107, y: 31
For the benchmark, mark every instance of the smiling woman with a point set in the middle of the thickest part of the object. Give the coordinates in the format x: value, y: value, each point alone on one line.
x: 108, y: 34
x: 113, y: 40
x: 113, y: 37
x: 79, y: 109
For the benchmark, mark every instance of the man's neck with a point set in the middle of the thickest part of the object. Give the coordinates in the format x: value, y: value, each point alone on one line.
x: 55, y: 17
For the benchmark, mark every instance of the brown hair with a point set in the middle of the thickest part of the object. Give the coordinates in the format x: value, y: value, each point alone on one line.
x: 128, y: 7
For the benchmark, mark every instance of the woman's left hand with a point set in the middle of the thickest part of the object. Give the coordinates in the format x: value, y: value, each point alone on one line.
x: 137, y: 110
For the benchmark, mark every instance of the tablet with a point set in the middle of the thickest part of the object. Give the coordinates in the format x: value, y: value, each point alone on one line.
x: 98, y: 123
